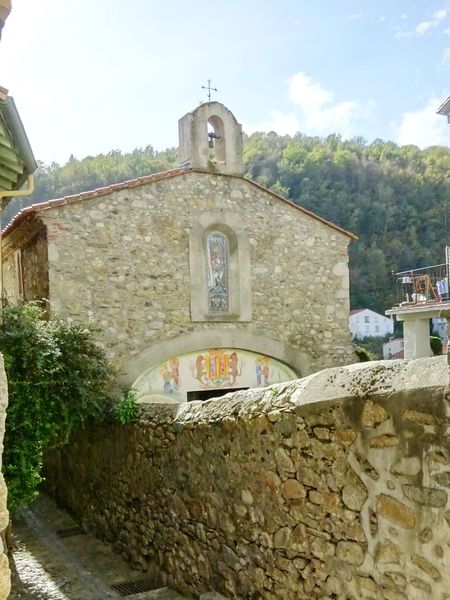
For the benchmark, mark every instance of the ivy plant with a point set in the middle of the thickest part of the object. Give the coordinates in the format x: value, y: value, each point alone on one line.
x: 126, y: 409
x: 58, y: 378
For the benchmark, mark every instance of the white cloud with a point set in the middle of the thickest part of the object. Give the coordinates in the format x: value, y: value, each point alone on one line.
x: 437, y: 16
x: 342, y: 117
x: 424, y: 27
x: 320, y: 113
x: 281, y: 123
x: 424, y: 127
x: 356, y: 16
x: 440, y: 14
x: 315, y: 111
x: 308, y: 94
x: 401, y: 33
x: 446, y: 57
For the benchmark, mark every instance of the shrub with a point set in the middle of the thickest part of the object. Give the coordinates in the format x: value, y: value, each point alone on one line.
x: 126, y: 409
x: 58, y: 378
x: 363, y: 354
x: 435, y: 345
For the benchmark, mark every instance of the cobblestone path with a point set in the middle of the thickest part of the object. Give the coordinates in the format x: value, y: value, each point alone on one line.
x: 46, y: 566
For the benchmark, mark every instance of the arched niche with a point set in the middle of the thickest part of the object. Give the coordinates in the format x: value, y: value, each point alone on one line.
x: 217, y: 140
x: 227, y: 224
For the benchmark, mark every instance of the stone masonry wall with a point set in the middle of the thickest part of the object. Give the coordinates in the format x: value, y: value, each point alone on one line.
x: 123, y: 259
x: 32, y: 240
x: 35, y: 267
x: 5, y: 574
x: 333, y: 486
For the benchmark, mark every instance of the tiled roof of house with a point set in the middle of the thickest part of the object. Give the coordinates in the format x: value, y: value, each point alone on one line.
x: 444, y: 108
x: 356, y: 310
x: 99, y: 192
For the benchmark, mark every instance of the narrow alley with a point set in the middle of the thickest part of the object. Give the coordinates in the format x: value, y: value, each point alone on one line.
x: 53, y: 559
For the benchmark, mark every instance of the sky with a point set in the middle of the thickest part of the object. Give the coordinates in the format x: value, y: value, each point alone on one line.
x: 98, y: 75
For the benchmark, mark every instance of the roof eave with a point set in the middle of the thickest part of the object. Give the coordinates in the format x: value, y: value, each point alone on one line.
x: 24, y: 213
x: 444, y: 108
x: 19, y: 137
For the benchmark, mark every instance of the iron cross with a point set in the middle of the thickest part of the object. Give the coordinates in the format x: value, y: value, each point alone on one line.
x: 210, y: 89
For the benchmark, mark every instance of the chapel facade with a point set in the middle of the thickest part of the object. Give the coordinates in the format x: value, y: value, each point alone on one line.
x: 200, y: 280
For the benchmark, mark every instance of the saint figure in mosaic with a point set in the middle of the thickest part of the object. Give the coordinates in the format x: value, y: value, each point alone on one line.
x: 218, y: 292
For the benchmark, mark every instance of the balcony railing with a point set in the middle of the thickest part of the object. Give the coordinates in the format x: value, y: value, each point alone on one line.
x: 423, y: 286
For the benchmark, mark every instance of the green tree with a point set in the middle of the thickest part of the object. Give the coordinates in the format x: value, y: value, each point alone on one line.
x: 58, y: 378
x: 395, y: 198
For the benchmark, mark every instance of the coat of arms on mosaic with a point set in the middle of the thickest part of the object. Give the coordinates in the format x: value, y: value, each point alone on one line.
x: 216, y: 368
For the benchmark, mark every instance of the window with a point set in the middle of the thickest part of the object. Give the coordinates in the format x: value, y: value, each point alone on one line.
x: 367, y: 319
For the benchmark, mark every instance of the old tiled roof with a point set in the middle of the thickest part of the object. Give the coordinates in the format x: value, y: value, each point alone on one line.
x: 99, y: 192
x: 444, y: 108
x: 16, y: 157
x: 356, y: 310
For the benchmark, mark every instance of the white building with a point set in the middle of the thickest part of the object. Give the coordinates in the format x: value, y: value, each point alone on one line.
x: 439, y: 327
x: 364, y: 322
x: 394, y: 349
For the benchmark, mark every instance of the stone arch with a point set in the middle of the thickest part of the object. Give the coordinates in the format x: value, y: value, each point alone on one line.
x: 217, y: 138
x: 219, y: 337
x: 230, y: 225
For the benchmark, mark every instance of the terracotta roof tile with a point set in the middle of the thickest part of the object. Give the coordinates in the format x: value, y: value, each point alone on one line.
x: 99, y: 192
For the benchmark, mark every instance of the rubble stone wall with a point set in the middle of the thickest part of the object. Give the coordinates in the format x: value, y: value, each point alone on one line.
x: 31, y: 240
x: 333, y: 486
x: 123, y: 260
x: 5, y: 573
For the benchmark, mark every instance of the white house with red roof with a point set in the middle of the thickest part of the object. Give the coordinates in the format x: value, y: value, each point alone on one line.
x: 394, y: 349
x: 364, y: 322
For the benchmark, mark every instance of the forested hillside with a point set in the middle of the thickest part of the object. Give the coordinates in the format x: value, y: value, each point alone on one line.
x: 394, y: 198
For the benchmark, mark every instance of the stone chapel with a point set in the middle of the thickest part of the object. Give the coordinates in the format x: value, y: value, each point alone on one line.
x: 200, y: 280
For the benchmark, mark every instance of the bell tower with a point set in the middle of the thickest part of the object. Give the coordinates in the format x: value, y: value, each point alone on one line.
x: 211, y: 140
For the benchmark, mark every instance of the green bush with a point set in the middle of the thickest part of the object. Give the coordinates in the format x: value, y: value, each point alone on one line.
x: 435, y: 345
x: 363, y: 354
x: 126, y: 409
x: 58, y: 378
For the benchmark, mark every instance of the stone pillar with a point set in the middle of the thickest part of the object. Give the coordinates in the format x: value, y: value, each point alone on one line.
x: 416, y: 333
x: 5, y: 574
x: 445, y: 314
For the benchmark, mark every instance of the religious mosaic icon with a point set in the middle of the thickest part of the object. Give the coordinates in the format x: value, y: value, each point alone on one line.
x: 218, y: 291
x: 210, y: 368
